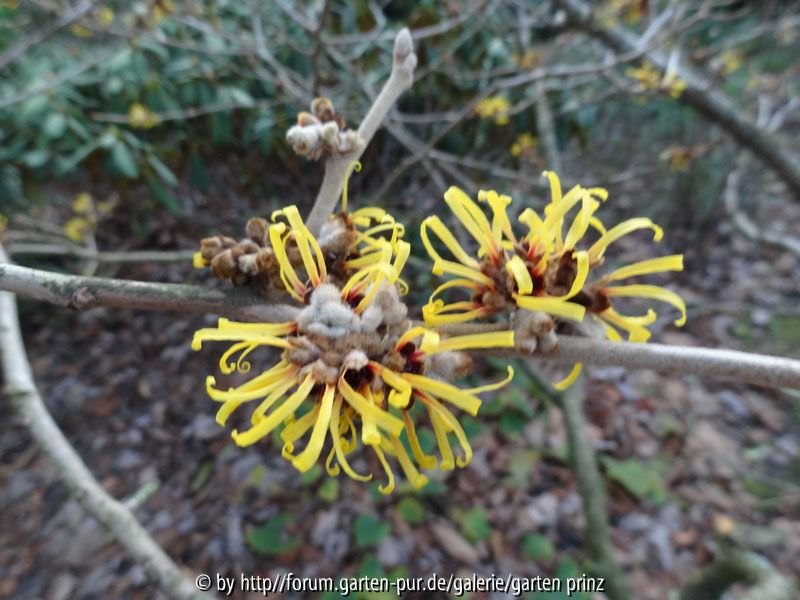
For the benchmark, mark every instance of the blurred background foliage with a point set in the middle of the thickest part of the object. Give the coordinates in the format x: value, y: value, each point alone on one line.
x: 159, y: 95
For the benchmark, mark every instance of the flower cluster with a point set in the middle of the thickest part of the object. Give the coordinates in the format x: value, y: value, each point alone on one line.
x: 650, y: 78
x: 352, y: 367
x: 547, y: 271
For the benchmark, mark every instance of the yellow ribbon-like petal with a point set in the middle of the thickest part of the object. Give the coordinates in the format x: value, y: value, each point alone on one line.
x: 337, y: 443
x: 447, y: 238
x: 569, y: 379
x: 309, y: 456
x: 519, y: 270
x: 673, y: 262
x: 456, y: 396
x: 653, y: 292
x: 264, y: 426
x: 493, y: 339
x: 383, y: 419
x: 622, y: 229
x: 558, y: 307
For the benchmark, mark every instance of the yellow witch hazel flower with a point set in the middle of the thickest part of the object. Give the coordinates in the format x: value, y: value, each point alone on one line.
x: 351, y: 366
x: 548, y: 269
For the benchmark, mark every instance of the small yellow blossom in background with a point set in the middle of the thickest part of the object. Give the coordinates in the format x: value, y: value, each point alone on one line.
x: 141, y: 117
x: 83, y: 203
x: 77, y: 228
x: 105, y: 17
x: 524, y: 143
x: 86, y: 214
x: 731, y: 60
x: 9, y: 4
x: 494, y: 107
x: 650, y: 79
x: 80, y: 31
x: 528, y: 60
x: 546, y: 270
x: 3, y: 222
x: 679, y: 158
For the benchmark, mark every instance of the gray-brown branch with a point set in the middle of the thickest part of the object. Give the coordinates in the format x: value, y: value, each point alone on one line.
x: 88, y: 292
x: 33, y: 413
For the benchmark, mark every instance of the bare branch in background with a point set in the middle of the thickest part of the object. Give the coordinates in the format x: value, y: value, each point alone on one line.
x: 592, y: 491
x: 134, y: 256
x: 33, y: 413
x: 404, y: 61
x: 700, y: 93
x: 66, y: 18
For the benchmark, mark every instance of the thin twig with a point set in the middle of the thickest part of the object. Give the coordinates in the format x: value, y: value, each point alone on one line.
x: 404, y: 61
x: 33, y: 413
x: 700, y: 93
x: 592, y: 492
x: 143, y: 256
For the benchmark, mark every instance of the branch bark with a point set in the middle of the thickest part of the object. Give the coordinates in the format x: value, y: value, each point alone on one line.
x: 120, y: 521
x: 400, y: 79
x: 700, y: 93
x: 592, y: 491
x: 83, y: 293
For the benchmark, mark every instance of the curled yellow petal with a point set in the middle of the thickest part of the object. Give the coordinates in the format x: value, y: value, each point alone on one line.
x: 447, y: 238
x: 569, y: 379
x: 456, y: 396
x: 637, y: 332
x: 354, y: 166
x: 389, y: 487
x: 414, y: 477
x: 383, y: 419
x: 440, y: 431
x: 673, y: 262
x: 622, y: 229
x: 492, y: 386
x: 198, y: 262
x: 308, y: 457
x: 288, y: 274
x: 263, y: 427
x: 519, y: 270
x: 473, y: 219
x: 653, y: 292
x: 558, y: 307
x: 337, y: 444
x: 425, y: 461
x: 446, y: 266
x: 493, y: 339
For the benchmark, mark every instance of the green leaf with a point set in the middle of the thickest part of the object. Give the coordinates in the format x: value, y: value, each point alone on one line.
x: 645, y: 481
x: 163, y: 197
x: 202, y: 475
x: 475, y: 524
x: 329, y: 490
x: 520, y: 467
x: 54, y: 125
x: 537, y: 546
x: 198, y: 176
x: 369, y: 531
x: 123, y: 161
x: 162, y: 170
x: 35, y: 158
x: 65, y: 165
x: 271, y: 538
x: 411, y: 510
